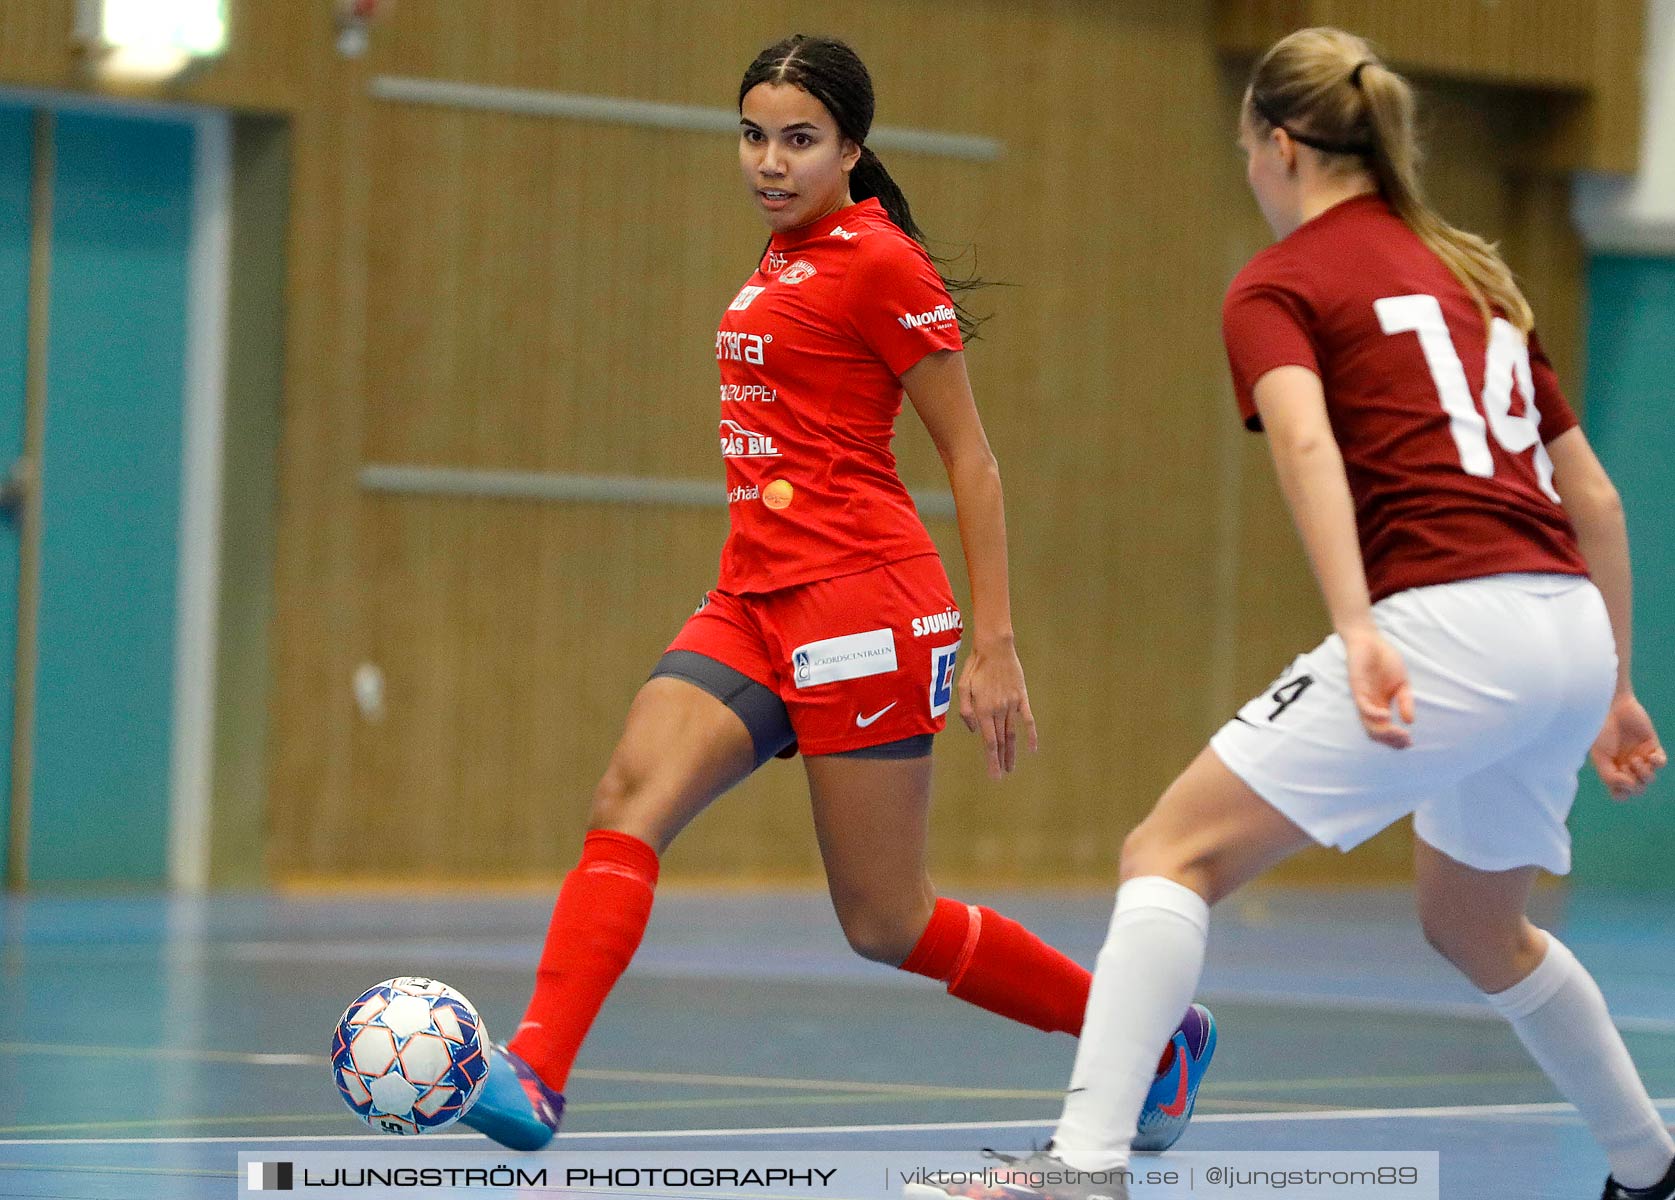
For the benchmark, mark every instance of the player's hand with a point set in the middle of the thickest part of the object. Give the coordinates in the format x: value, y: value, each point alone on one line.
x: 1627, y: 753
x: 995, y: 704
x: 1378, y: 682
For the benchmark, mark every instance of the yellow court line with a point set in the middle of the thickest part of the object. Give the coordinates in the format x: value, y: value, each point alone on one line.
x: 822, y: 1085
x: 155, y: 1122
x: 1370, y: 1082
x: 870, y: 1089
x: 165, y: 1053
x: 107, y: 1169
x: 1209, y: 1104
x: 776, y: 1100
x: 319, y: 1061
x: 725, y: 1102
x: 942, y: 1091
x: 706, y: 1102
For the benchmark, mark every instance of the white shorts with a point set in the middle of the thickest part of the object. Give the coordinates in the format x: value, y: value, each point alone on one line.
x: 1512, y: 676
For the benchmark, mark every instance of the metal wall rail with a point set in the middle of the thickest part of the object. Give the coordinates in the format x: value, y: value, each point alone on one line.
x: 615, y: 110
x: 566, y: 487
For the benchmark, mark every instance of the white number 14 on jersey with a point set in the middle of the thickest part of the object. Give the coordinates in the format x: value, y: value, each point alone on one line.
x: 1508, y: 365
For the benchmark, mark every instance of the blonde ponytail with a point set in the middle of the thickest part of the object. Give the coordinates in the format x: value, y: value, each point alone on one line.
x: 1326, y: 88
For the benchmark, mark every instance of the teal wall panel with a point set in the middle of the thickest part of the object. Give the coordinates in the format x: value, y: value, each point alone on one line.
x: 17, y: 138
x: 1631, y: 422
x: 121, y: 238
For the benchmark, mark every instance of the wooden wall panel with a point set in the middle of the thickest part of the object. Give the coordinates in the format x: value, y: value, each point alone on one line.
x: 480, y: 289
x: 541, y: 294
x: 318, y: 607
x: 560, y: 317
x: 531, y: 302
x: 1547, y: 43
x: 1586, y: 56
x: 35, y: 46
x: 274, y: 47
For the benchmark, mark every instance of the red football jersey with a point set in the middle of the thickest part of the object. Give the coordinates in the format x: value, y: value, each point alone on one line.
x: 812, y: 351
x: 1441, y: 421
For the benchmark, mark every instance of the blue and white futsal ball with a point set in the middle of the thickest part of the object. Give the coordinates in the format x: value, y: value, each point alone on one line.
x: 410, y: 1056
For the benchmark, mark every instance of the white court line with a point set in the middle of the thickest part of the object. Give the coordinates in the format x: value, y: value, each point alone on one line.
x: 1343, y: 1114
x: 1456, y: 1010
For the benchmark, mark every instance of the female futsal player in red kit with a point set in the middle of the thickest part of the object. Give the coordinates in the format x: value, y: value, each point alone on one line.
x: 1453, y: 513
x: 832, y: 629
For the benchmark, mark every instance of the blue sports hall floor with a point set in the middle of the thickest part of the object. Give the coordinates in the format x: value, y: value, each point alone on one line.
x: 145, y: 1042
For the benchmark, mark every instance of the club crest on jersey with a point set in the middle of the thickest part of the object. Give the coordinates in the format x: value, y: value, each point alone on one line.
x: 739, y: 442
x: 797, y: 272
x: 745, y: 296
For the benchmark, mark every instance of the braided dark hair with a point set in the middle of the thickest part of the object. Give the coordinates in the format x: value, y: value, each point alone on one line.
x: 831, y: 72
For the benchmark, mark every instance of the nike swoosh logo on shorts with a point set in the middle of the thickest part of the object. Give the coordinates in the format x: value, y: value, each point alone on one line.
x: 862, y: 722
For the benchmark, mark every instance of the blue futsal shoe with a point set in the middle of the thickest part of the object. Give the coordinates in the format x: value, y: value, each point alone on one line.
x: 1169, y: 1104
x: 515, y: 1108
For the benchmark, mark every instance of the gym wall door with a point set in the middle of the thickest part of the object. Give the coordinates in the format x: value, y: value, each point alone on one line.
x: 96, y: 235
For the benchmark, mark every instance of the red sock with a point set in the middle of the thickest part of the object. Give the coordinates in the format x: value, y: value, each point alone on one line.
x: 596, y: 926
x: 995, y: 963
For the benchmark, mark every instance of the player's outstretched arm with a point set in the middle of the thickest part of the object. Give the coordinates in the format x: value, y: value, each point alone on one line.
x: 1627, y: 754
x: 993, y: 699
x: 1311, y: 475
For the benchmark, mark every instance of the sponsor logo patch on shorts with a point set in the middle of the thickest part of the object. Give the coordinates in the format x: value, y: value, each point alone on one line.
x: 853, y: 656
x: 942, y: 677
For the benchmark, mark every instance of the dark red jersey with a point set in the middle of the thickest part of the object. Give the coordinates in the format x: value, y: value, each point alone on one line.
x: 1441, y: 421
x: 812, y: 351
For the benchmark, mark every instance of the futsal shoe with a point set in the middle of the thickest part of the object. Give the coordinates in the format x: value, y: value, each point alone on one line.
x: 516, y: 1109
x: 1169, y: 1104
x: 1664, y: 1189
x: 1041, y: 1176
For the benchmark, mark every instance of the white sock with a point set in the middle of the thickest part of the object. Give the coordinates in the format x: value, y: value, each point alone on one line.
x: 1147, y: 972
x: 1561, y: 1018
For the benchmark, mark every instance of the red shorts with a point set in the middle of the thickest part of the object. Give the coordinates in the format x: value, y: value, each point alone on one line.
x: 858, y: 661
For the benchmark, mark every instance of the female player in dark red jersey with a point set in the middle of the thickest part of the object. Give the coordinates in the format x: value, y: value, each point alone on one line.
x: 832, y: 629
x: 1423, y: 447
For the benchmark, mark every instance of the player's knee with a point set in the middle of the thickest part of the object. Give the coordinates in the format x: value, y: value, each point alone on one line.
x: 1439, y: 935
x: 1201, y: 868
x: 1449, y: 933
x: 1142, y: 853
x: 1147, y: 850
x: 880, y: 934
x: 621, y: 802
x: 1490, y: 956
